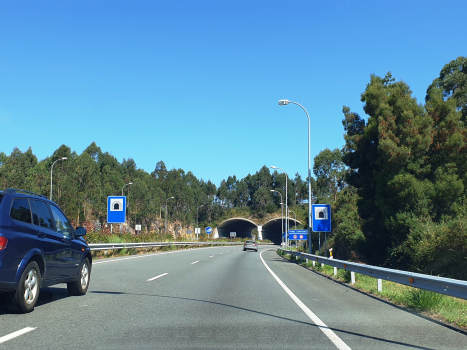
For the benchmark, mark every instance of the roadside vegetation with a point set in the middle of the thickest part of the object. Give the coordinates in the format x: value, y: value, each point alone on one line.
x: 397, y: 188
x: 440, y: 307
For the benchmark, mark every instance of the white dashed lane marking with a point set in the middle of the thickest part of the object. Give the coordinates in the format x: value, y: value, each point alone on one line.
x: 155, y: 278
x: 16, y: 334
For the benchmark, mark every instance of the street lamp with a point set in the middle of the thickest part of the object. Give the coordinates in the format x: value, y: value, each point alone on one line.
x: 282, y: 215
x: 286, y: 217
x: 284, y: 103
x: 51, y: 172
x: 166, y: 213
x: 129, y: 183
x: 202, y: 205
x: 295, y: 223
x: 294, y: 226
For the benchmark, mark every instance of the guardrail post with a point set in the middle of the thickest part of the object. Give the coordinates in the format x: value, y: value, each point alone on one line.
x: 335, y: 268
x: 380, y: 285
x: 352, y: 277
x: 314, y: 263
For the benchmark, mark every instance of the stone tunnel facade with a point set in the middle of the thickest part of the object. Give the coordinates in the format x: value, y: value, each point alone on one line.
x: 243, y: 228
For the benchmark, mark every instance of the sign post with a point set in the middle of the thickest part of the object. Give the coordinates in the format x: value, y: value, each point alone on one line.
x: 197, y: 231
x: 321, y: 221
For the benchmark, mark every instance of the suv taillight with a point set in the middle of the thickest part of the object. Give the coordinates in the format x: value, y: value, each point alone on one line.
x: 3, y: 242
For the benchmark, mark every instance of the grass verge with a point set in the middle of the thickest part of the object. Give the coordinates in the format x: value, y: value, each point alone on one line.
x: 444, y: 308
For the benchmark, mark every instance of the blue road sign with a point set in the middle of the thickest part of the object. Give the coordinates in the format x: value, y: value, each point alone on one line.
x: 116, y: 213
x: 208, y: 230
x: 298, y: 236
x: 321, y: 214
x: 298, y: 232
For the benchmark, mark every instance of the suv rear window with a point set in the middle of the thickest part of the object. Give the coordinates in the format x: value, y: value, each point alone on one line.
x: 20, y: 210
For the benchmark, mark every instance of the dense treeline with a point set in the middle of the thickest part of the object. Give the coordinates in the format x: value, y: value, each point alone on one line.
x: 82, y: 183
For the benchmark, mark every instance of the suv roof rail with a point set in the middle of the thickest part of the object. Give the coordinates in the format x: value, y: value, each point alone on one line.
x: 15, y: 190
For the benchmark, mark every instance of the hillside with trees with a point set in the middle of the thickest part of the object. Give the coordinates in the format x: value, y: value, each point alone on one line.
x: 397, y: 187
x: 82, y: 183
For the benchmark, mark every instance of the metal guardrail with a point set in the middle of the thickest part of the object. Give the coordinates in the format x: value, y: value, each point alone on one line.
x: 110, y: 246
x: 442, y: 285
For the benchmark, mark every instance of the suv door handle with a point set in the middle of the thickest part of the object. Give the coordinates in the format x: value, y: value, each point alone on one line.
x: 41, y: 234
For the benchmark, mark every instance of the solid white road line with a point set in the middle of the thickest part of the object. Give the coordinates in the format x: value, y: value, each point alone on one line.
x: 194, y: 262
x: 147, y: 255
x: 154, y: 278
x: 321, y: 325
x: 16, y: 334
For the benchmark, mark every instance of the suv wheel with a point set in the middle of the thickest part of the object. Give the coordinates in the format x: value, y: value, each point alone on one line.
x: 27, y: 293
x: 80, y: 287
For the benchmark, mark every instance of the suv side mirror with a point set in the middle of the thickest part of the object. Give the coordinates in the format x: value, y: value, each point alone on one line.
x: 80, y: 231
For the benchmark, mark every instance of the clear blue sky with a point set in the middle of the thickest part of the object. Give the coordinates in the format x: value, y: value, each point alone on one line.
x: 196, y: 83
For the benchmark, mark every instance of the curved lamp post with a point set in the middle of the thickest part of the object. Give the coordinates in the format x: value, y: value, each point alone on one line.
x: 202, y: 205
x: 129, y: 183
x: 166, y: 213
x: 295, y: 223
x: 286, y: 207
x: 51, y: 172
x: 282, y: 215
x: 284, y: 103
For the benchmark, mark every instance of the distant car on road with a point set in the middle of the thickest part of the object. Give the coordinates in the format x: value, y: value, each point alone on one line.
x: 250, y: 245
x: 39, y: 248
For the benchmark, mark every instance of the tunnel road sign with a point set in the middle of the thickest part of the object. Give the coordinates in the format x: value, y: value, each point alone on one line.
x: 321, y: 217
x: 116, y: 213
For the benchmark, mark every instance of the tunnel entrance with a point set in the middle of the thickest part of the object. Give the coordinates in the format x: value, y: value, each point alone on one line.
x: 272, y: 229
x: 241, y: 226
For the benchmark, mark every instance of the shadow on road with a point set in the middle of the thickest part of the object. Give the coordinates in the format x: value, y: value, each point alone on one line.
x: 46, y: 295
x: 266, y: 314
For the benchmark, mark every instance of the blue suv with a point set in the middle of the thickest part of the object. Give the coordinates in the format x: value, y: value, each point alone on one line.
x: 39, y: 248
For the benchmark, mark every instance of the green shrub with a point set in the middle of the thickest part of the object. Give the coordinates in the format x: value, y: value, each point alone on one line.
x: 424, y: 299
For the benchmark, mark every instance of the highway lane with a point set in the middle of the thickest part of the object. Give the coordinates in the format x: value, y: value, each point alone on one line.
x: 216, y: 298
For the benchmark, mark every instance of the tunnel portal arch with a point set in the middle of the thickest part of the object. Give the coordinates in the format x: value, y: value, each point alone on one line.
x: 241, y: 226
x: 272, y: 229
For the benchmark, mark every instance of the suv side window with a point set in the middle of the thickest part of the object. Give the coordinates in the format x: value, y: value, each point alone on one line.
x: 20, y: 210
x: 61, y: 223
x: 43, y: 218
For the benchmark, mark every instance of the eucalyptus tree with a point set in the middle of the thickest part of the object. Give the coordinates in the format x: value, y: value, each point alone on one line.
x: 330, y: 172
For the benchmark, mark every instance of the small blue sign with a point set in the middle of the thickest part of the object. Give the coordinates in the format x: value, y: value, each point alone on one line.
x: 298, y: 231
x: 321, y: 214
x: 116, y: 213
x: 298, y: 236
x: 208, y: 230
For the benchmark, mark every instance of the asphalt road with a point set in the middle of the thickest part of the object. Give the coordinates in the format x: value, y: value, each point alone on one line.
x: 216, y: 298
